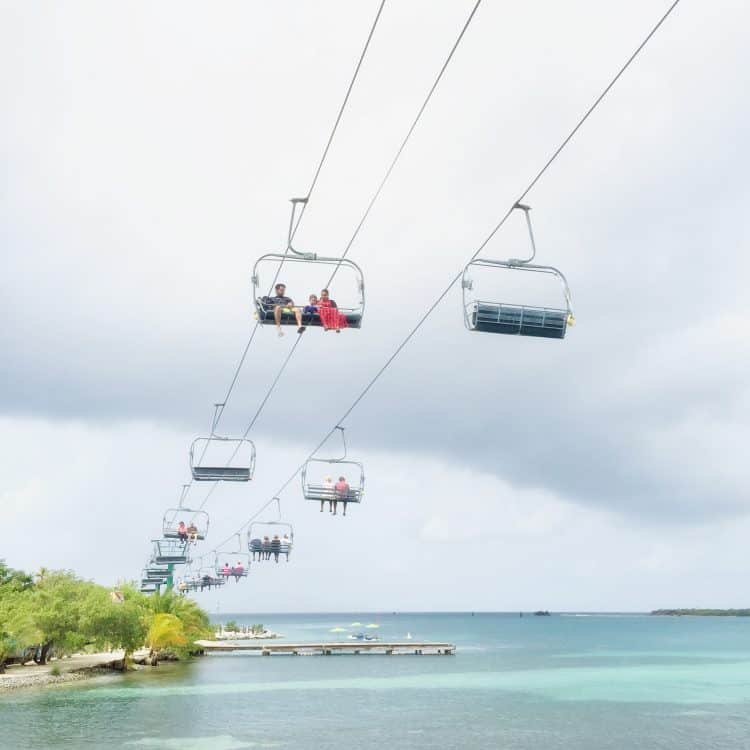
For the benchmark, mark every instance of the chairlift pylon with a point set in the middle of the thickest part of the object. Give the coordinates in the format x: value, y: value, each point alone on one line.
x: 520, y: 320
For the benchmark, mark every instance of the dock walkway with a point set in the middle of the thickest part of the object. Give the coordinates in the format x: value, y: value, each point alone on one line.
x: 336, y: 647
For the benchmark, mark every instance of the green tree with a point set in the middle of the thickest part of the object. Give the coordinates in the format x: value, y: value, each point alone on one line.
x: 166, y: 633
x: 194, y: 620
x: 119, y: 623
x: 60, y: 603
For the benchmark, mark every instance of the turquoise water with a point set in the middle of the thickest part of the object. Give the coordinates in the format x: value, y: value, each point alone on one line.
x: 584, y: 682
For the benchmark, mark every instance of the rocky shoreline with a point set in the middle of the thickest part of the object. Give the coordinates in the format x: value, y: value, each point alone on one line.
x: 62, y: 671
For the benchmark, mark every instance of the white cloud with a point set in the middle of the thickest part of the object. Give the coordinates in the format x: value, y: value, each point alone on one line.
x: 148, y: 165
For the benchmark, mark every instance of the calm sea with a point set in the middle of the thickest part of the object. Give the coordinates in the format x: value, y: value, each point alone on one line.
x: 588, y: 682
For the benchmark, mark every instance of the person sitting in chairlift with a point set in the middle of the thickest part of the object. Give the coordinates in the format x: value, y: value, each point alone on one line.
x: 329, y: 494
x: 192, y: 532
x: 281, y: 304
x: 330, y: 316
x: 286, y: 545
x: 342, y: 493
x: 238, y: 571
x: 276, y: 547
x: 256, y: 546
x: 310, y: 309
x: 266, y: 548
x: 226, y: 571
x: 182, y: 534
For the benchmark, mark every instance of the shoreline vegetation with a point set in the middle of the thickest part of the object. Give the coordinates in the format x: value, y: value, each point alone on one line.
x: 702, y: 612
x: 69, y: 628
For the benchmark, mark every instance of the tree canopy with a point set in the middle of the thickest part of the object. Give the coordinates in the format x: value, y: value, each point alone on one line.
x: 55, y: 609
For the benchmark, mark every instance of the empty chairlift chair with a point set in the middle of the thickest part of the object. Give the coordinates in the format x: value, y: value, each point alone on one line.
x: 320, y: 477
x: 170, y: 552
x: 222, y: 459
x: 352, y: 308
x: 155, y: 574
x: 495, y: 316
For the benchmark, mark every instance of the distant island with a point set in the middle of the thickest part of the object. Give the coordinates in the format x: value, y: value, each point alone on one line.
x: 704, y: 612
x: 542, y: 613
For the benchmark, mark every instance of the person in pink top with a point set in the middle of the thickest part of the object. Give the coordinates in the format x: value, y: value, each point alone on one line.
x: 238, y: 571
x: 226, y: 570
x: 342, y: 493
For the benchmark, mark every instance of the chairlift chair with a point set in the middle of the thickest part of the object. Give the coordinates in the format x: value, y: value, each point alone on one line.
x: 232, y: 570
x: 265, y: 309
x: 155, y: 575
x: 196, y: 518
x: 207, y: 579
x: 170, y: 552
x: 261, y: 530
x: 238, y: 466
x: 520, y: 320
x: 314, y: 488
x: 148, y: 587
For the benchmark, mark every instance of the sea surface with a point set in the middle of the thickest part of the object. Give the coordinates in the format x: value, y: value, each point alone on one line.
x: 589, y: 682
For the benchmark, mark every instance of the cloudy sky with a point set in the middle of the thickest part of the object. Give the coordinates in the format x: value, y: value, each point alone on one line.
x: 148, y: 153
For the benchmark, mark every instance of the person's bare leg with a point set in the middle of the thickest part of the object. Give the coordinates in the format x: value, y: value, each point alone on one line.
x: 277, y: 318
x: 298, y: 318
x: 335, y: 503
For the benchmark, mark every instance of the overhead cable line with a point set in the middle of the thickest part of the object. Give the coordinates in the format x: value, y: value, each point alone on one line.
x: 293, y: 226
x: 257, y: 412
x: 340, y: 114
x: 400, y: 150
x: 220, y: 410
x: 453, y: 281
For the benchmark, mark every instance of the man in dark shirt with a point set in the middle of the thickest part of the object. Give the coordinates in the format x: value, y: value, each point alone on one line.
x: 282, y: 304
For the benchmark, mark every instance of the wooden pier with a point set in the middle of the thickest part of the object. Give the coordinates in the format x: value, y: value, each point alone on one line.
x: 326, y: 649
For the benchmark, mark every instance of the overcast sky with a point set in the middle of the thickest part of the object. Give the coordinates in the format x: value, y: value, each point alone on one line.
x: 149, y: 151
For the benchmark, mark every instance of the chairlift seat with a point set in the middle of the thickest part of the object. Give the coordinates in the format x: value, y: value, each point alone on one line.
x: 155, y: 578
x: 233, y: 573
x: 170, y: 559
x: 320, y: 493
x: 170, y: 552
x: 221, y: 473
x: 519, y: 320
x: 169, y: 534
x: 265, y: 316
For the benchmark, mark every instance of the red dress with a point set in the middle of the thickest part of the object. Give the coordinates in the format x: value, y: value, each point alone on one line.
x: 330, y: 316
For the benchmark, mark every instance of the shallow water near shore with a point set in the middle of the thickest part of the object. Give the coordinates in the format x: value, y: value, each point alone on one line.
x: 533, y: 682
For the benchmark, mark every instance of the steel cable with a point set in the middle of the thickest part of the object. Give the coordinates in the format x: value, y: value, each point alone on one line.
x: 481, y: 247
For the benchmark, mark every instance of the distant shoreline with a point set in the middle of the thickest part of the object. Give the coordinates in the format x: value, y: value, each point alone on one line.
x: 702, y: 612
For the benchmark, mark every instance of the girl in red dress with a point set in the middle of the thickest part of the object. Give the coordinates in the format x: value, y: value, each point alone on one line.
x: 330, y: 317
